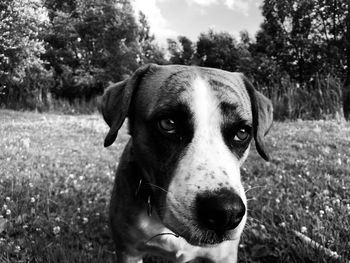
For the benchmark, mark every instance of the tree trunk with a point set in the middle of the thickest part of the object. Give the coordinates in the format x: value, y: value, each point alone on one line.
x: 346, y: 88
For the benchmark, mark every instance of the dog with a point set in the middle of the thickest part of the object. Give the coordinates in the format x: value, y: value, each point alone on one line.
x: 178, y: 193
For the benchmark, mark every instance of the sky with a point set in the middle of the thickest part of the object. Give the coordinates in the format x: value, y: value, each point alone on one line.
x: 171, y: 18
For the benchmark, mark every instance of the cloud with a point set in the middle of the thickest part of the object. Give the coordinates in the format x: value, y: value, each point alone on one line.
x: 239, y: 5
x: 202, y: 2
x: 159, y: 25
x: 236, y: 5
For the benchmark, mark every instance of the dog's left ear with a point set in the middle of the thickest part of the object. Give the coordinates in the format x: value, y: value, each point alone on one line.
x: 262, y: 110
x: 116, y: 102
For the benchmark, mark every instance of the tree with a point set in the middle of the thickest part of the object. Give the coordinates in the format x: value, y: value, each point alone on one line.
x: 181, y: 51
x: 91, y: 43
x: 306, y: 39
x: 150, y: 51
x: 24, y: 76
x: 218, y: 50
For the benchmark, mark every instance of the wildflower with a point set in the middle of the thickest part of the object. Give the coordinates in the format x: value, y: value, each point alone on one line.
x: 8, y: 212
x: 328, y: 209
x: 4, y: 207
x: 8, y: 199
x: 85, y: 220
x: 321, y: 213
x: 56, y: 230
x: 57, y: 219
x: 30, y: 185
x: 269, y: 192
x: 262, y: 227
x: 277, y: 201
x: 336, y: 201
x: 81, y: 177
x: 32, y: 200
x: 17, y: 249
x: 78, y: 209
x: 282, y: 224
x: 25, y: 226
x: 303, y: 229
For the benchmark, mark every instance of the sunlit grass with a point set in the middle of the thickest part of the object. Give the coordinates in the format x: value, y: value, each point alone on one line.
x: 56, y: 179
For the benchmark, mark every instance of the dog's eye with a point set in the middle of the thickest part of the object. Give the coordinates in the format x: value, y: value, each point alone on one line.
x: 167, y: 125
x: 242, y: 135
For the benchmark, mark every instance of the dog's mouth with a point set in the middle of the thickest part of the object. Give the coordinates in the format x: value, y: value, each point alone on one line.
x: 206, y: 238
x: 200, y: 237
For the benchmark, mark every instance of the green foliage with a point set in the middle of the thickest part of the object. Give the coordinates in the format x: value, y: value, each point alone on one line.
x: 150, y: 51
x: 181, y: 51
x: 24, y: 76
x: 304, y: 37
x: 91, y: 44
x: 217, y: 50
x: 71, y: 48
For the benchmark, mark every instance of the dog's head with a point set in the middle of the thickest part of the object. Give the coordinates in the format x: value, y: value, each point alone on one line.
x: 191, y: 129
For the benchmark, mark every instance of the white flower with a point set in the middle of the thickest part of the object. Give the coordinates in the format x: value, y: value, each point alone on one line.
x: 8, y: 199
x: 56, y: 230
x: 32, y: 200
x: 321, y: 213
x: 8, y: 212
x: 282, y: 224
x: 17, y: 249
x: 85, y: 220
x: 303, y: 229
x: 328, y: 209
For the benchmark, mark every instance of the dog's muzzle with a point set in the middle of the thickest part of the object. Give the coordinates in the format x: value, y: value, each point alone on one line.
x: 220, y: 210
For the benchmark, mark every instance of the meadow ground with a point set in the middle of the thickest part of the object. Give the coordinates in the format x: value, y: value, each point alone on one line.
x: 56, y: 179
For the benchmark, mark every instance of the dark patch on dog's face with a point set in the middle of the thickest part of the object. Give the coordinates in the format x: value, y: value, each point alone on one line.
x: 232, y: 123
x: 158, y: 151
x: 232, y: 118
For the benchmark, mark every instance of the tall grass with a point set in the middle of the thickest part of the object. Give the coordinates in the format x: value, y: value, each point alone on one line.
x: 76, y: 106
x: 321, y: 98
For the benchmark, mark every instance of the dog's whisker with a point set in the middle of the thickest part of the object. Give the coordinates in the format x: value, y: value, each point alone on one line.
x: 255, y: 187
x: 159, y: 187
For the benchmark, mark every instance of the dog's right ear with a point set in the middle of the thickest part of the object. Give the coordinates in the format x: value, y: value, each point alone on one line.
x: 116, y: 102
x: 262, y: 111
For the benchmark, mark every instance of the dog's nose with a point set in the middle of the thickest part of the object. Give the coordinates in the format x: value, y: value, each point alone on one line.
x: 220, y: 210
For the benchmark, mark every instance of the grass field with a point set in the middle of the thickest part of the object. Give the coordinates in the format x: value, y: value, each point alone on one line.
x: 56, y: 178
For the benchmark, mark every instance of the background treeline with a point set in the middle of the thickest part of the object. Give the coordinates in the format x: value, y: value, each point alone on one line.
x: 61, y: 54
